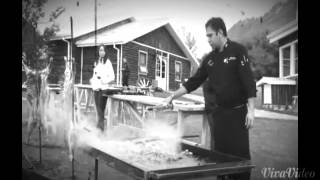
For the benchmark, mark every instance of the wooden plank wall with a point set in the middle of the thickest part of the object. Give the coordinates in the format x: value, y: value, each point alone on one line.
x: 173, y: 84
x: 60, y: 50
x: 131, y: 50
x: 282, y: 94
x: 161, y: 39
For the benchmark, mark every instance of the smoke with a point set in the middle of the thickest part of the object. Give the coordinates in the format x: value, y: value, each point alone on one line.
x: 129, y: 132
x: 155, y: 146
x: 85, y: 134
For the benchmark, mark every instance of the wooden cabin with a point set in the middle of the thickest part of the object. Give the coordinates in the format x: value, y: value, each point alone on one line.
x: 152, y: 48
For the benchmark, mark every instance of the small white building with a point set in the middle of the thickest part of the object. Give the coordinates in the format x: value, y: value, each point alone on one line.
x: 283, y: 90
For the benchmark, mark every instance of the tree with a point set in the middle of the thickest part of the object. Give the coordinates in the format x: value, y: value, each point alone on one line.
x: 264, y: 56
x: 32, y: 12
x: 189, y: 40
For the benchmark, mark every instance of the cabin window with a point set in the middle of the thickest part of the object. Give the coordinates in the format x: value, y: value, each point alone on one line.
x: 289, y: 59
x: 178, y: 71
x: 142, y: 63
x: 286, y: 61
x: 158, y: 66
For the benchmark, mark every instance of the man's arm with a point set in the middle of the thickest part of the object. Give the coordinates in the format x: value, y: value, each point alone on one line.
x: 246, y: 77
x: 193, y: 83
x: 180, y: 92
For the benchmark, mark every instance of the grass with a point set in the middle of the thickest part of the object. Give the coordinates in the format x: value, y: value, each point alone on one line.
x: 288, y: 112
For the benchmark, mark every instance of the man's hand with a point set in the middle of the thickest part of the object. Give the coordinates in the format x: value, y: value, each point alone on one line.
x: 250, y: 114
x: 249, y: 120
x: 181, y: 91
x: 167, y: 101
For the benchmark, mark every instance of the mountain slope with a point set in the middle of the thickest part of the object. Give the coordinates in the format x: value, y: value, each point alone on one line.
x: 252, y: 33
x: 280, y: 14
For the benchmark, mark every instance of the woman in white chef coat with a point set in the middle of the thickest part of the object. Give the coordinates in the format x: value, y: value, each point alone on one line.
x: 103, y: 76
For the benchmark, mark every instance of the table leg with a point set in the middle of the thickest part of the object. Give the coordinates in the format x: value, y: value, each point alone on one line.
x: 205, y: 134
x: 109, y: 111
x: 89, y: 99
x: 179, y: 122
x: 78, y: 104
x: 122, y: 113
x: 77, y: 98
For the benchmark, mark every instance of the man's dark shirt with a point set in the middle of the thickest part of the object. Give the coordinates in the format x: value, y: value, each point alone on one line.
x: 125, y: 69
x: 230, y: 79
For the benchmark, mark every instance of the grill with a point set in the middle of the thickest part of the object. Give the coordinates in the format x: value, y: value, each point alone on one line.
x: 213, y: 163
x: 216, y: 163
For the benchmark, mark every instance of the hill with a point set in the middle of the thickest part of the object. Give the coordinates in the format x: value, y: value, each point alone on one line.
x: 252, y: 33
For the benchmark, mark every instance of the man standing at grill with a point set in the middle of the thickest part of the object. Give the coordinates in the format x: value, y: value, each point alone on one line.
x: 232, y: 92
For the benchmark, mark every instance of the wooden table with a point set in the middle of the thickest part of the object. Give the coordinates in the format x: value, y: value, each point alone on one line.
x: 84, y: 96
x: 183, y: 109
x: 138, y: 104
x: 186, y: 109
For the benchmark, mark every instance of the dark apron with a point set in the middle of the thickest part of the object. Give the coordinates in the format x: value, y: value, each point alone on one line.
x: 230, y: 135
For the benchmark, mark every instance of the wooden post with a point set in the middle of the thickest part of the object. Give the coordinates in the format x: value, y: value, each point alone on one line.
x: 95, y: 28
x: 73, y: 71
x: 72, y: 93
x: 72, y: 165
x: 96, y: 169
x: 78, y: 101
x: 40, y: 145
x: 81, y: 65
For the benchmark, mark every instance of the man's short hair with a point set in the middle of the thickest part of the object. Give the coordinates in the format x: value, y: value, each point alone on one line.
x: 217, y: 23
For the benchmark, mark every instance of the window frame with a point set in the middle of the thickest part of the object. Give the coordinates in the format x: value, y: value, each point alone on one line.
x: 291, y: 45
x: 175, y: 72
x: 146, y: 53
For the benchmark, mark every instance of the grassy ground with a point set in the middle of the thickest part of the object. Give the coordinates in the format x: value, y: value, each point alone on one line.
x: 289, y: 112
x: 273, y: 143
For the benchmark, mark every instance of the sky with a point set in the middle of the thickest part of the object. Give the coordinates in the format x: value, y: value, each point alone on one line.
x: 190, y: 14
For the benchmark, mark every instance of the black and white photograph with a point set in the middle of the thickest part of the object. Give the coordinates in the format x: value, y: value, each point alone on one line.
x: 160, y: 90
